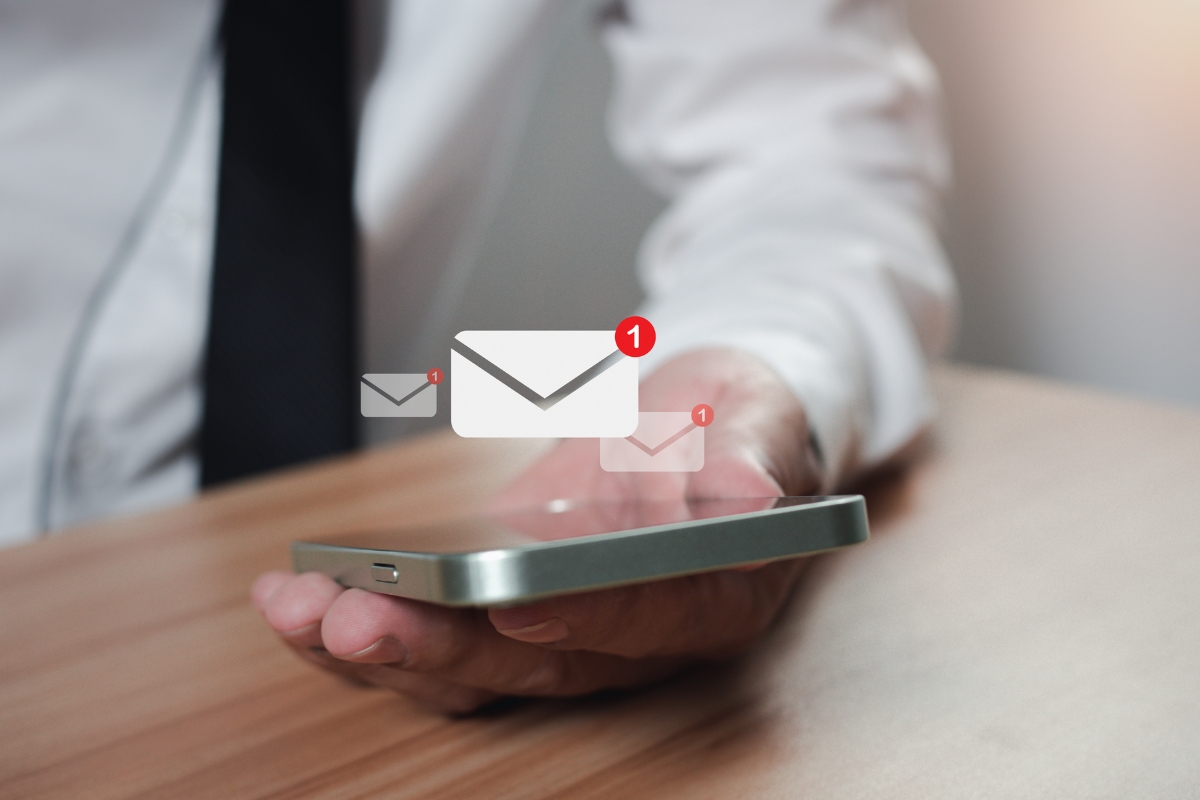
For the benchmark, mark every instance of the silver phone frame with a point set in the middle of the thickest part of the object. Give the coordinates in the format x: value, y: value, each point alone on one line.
x: 533, y: 571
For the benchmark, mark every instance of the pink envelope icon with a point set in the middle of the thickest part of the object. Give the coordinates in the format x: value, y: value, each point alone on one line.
x: 665, y: 441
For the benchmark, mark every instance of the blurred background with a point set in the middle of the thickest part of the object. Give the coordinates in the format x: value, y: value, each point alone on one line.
x: 1073, y: 227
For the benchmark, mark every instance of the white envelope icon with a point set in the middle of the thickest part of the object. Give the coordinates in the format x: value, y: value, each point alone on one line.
x: 397, y: 395
x: 555, y: 384
x: 665, y: 441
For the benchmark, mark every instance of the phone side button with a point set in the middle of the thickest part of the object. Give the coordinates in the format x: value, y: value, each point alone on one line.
x: 385, y: 573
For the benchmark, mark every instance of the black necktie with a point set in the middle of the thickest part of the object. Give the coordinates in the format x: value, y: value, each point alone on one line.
x: 280, y: 373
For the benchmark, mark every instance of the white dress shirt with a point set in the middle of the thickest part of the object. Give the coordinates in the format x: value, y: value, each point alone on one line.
x: 797, y: 140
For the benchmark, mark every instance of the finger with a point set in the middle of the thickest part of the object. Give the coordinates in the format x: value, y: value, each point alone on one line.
x: 428, y: 692
x: 319, y: 657
x: 296, y: 607
x: 710, y: 615
x: 463, y: 647
x: 265, y: 585
x: 738, y: 473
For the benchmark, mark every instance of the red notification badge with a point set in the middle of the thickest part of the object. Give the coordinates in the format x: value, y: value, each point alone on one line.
x: 435, y: 376
x: 635, y: 336
x: 702, y: 415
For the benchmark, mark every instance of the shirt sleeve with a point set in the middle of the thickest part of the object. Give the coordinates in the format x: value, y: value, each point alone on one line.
x: 799, y: 143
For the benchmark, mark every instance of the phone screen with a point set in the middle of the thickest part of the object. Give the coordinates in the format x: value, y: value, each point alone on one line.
x: 558, y: 520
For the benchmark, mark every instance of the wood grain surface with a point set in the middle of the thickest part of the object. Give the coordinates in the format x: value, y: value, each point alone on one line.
x: 1025, y: 622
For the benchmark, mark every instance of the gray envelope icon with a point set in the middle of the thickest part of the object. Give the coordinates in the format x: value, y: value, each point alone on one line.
x: 397, y: 395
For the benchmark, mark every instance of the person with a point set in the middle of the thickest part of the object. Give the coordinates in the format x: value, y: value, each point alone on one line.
x: 795, y: 279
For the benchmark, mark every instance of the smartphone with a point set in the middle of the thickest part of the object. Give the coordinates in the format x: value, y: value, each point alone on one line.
x: 566, y: 547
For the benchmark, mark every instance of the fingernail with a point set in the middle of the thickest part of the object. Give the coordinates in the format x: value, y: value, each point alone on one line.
x: 387, y: 650
x: 552, y: 630
x: 303, y: 633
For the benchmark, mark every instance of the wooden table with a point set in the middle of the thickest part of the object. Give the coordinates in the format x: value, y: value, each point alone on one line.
x: 1024, y: 623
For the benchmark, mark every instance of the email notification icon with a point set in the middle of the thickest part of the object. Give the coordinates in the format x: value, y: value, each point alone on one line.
x: 665, y: 441
x: 400, y: 394
x: 555, y: 384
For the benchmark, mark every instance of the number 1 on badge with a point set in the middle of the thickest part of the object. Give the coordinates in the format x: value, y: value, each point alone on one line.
x: 635, y: 336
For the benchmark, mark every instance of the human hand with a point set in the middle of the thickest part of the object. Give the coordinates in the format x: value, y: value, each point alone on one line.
x: 455, y: 660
